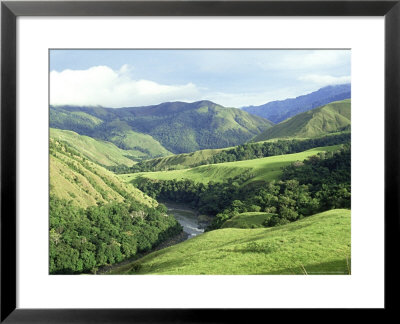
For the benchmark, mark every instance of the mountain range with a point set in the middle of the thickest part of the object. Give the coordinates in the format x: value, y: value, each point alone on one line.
x: 158, y: 130
x: 278, y: 111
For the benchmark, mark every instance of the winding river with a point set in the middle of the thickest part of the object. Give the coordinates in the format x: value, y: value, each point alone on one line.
x: 186, y: 216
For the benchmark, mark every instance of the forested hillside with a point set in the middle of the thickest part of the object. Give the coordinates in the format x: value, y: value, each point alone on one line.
x: 261, y: 170
x: 290, y: 186
x: 81, y: 240
x: 95, y: 219
x: 242, y: 152
x: 177, y: 127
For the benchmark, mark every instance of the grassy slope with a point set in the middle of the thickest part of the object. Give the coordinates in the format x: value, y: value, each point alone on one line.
x: 184, y: 160
x: 264, y: 169
x: 247, y: 220
x: 320, y: 244
x: 146, y: 146
x: 138, y: 145
x: 330, y: 118
x: 193, y: 159
x: 102, y: 152
x: 86, y: 183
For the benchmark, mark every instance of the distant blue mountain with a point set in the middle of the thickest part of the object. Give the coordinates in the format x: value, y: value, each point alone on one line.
x: 277, y: 111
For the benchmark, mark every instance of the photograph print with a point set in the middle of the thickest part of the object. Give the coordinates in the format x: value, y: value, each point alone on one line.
x: 200, y: 162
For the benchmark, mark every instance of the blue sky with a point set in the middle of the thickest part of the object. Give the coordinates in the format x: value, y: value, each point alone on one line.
x: 233, y: 78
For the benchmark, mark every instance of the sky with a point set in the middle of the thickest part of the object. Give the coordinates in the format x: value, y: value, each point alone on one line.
x: 232, y: 78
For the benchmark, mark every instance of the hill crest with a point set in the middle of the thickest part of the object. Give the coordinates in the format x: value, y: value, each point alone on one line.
x: 330, y: 118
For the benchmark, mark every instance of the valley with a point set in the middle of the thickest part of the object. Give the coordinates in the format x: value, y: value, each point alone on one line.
x: 197, y: 188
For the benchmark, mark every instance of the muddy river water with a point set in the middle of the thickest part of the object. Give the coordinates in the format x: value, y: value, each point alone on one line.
x: 187, y: 217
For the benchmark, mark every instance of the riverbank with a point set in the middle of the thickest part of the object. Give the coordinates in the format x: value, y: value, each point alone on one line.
x: 192, y: 222
x: 117, y: 267
x: 196, y: 222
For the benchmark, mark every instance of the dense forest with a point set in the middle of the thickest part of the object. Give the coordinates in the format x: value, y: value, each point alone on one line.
x: 81, y: 240
x: 319, y: 183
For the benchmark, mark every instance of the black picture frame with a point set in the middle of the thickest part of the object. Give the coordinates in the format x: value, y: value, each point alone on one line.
x: 10, y: 10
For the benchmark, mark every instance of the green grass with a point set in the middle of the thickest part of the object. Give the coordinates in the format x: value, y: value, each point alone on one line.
x: 75, y: 178
x: 247, y: 220
x: 182, y: 161
x: 333, y: 117
x: 318, y: 244
x: 288, y: 138
x: 202, y: 157
x: 102, y: 152
x: 263, y: 169
x: 146, y: 146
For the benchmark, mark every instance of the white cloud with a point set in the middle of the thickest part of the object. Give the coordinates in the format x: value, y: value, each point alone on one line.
x: 306, y: 60
x: 100, y: 85
x: 323, y: 80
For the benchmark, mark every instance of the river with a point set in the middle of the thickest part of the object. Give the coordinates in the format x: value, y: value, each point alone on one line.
x: 187, y: 217
x: 192, y: 226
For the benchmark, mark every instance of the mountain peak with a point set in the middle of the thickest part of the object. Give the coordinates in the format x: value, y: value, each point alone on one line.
x: 179, y: 127
x: 203, y: 103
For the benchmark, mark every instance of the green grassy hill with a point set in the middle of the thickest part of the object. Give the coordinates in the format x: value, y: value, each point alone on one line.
x: 102, y: 152
x: 330, y: 118
x: 263, y: 169
x: 146, y: 146
x: 107, y: 128
x: 73, y: 177
x: 181, y: 161
x: 178, y: 127
x: 247, y: 220
x: 247, y: 151
x: 318, y: 244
